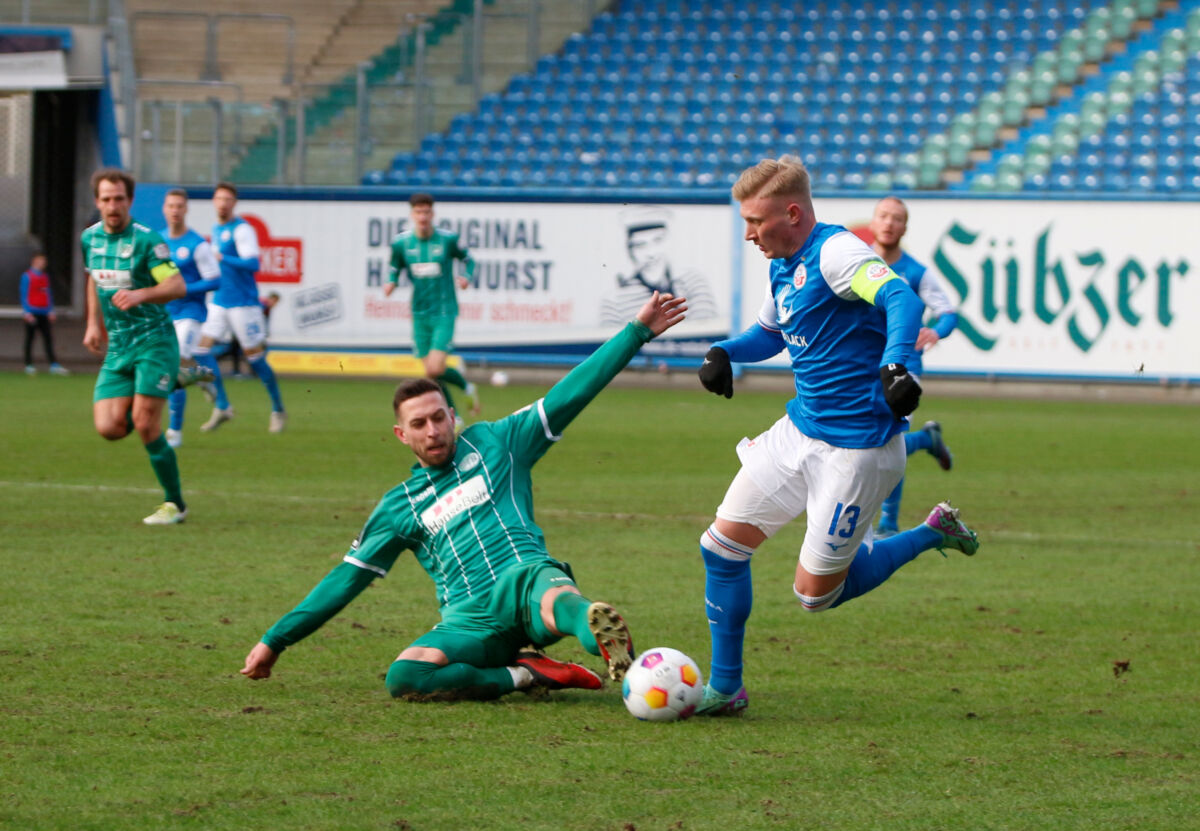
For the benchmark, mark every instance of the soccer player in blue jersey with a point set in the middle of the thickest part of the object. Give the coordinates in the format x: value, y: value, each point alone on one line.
x: 234, y: 308
x: 466, y: 513
x: 838, y: 450
x: 888, y: 225
x: 194, y: 256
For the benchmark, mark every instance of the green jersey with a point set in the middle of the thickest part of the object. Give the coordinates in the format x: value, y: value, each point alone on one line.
x: 430, y: 266
x: 471, y: 519
x: 134, y: 258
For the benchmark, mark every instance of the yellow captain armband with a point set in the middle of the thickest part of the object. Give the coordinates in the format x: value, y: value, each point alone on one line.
x: 869, y: 279
x: 164, y: 271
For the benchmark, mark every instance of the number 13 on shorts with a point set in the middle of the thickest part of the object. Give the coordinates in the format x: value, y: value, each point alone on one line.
x: 845, y: 520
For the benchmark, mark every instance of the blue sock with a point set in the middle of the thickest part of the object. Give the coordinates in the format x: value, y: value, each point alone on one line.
x: 206, y: 359
x: 889, y: 512
x: 920, y: 440
x: 176, y: 401
x: 871, y: 567
x: 267, y: 375
x: 728, y: 596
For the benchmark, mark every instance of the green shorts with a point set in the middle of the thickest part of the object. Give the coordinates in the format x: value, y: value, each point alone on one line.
x: 147, y: 368
x: 489, y: 632
x: 433, y: 334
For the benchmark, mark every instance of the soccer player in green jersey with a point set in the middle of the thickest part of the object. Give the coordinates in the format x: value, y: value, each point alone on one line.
x: 466, y: 513
x: 130, y: 276
x: 428, y: 255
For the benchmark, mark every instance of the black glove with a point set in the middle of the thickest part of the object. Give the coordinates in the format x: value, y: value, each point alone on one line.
x: 900, y: 390
x: 716, y: 374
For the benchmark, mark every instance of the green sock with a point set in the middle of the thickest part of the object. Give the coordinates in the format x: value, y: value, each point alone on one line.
x: 453, y: 681
x: 571, y: 618
x: 453, y: 376
x: 446, y: 392
x: 166, y: 468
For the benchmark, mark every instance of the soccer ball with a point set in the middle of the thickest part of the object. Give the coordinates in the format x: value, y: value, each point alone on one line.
x: 663, y: 684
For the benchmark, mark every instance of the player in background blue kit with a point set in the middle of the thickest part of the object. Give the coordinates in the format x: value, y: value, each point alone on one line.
x: 888, y: 225
x: 194, y: 256
x: 838, y: 450
x: 235, y: 309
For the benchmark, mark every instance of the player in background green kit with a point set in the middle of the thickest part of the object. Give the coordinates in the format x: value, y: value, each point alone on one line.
x: 130, y: 276
x: 466, y: 513
x: 428, y: 255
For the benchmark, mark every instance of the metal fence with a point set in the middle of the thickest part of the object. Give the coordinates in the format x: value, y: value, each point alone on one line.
x: 40, y: 11
x: 332, y: 133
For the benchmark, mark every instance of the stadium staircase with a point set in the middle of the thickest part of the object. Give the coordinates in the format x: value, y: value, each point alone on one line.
x: 1133, y: 126
x: 52, y: 11
x: 350, y: 44
x: 445, y: 84
x: 251, y: 68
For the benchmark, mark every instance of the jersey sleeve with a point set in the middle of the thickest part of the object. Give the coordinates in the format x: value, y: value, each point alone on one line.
x: 934, y: 296
x: 459, y: 253
x: 158, y: 258
x: 761, y: 340
x: 206, y: 262
x: 527, y: 432
x: 246, y: 241
x: 397, y: 263
x: 531, y: 432
x: 388, y: 532
x: 384, y: 536
x: 768, y: 317
x: 852, y: 268
x: 327, y: 598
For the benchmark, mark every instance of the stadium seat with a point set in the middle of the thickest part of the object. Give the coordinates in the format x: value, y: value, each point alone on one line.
x: 856, y: 90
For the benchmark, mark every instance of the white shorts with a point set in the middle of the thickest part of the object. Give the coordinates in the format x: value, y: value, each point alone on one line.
x: 187, y: 330
x: 246, y: 323
x: 786, y: 473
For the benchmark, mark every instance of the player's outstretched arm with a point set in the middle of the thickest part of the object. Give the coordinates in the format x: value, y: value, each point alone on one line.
x: 568, y: 397
x: 259, y: 662
x: 661, y: 312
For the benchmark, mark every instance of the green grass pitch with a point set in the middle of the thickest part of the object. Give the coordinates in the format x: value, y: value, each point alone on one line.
x: 1050, y: 682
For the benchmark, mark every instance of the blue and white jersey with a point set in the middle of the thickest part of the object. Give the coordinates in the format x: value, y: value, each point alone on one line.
x: 237, y: 244
x: 929, y: 289
x: 194, y: 256
x: 834, y: 337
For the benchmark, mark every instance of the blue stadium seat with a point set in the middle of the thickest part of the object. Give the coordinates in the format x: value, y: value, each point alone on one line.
x: 829, y: 80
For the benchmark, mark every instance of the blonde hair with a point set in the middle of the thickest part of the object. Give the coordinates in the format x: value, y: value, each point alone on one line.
x: 785, y: 176
x: 893, y: 198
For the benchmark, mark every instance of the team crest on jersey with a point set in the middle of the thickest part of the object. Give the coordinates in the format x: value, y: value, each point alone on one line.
x: 125, y: 250
x: 225, y: 235
x: 469, y: 462
x: 799, y: 276
x: 877, y: 271
x: 162, y: 252
x: 181, y: 253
